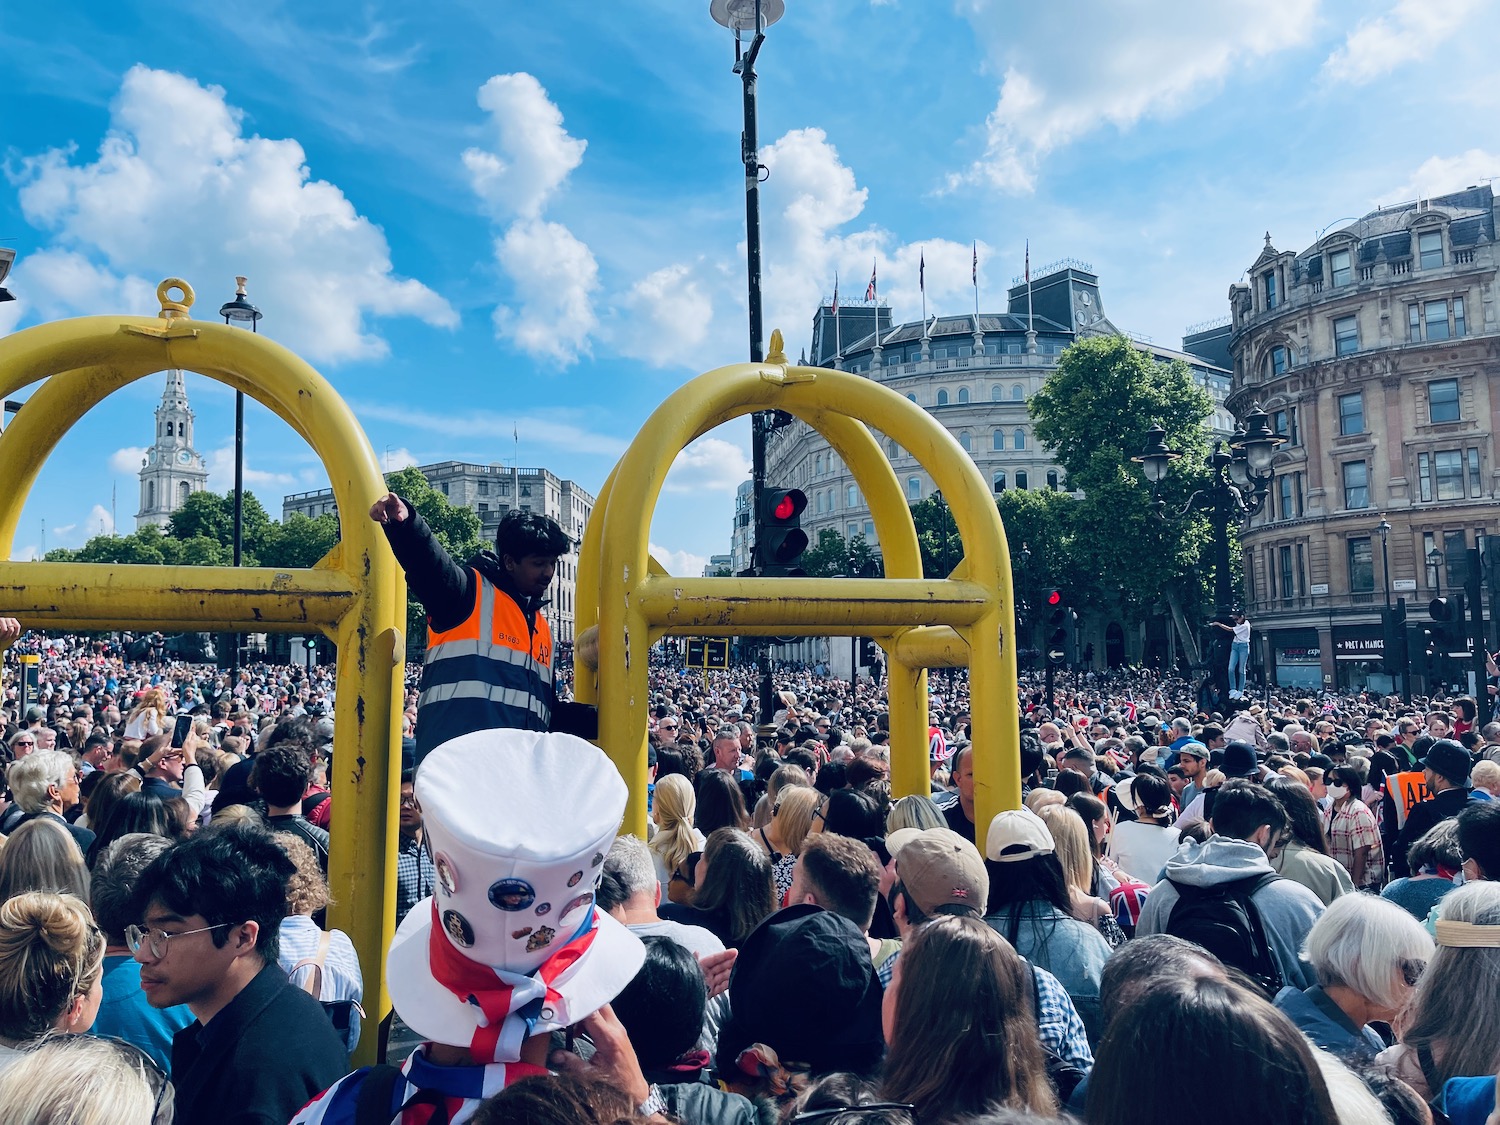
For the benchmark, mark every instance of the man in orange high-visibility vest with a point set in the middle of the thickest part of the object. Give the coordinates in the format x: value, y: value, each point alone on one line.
x: 489, y: 650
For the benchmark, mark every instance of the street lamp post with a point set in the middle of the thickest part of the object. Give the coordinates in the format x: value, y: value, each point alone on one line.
x: 1241, y: 481
x: 1385, y: 558
x: 239, y: 312
x: 755, y: 16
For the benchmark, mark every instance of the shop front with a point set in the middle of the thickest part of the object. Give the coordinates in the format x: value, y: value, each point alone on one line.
x: 1358, y: 652
x: 1297, y: 659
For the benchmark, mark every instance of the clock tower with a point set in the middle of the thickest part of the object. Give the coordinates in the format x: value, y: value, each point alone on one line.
x: 172, y: 469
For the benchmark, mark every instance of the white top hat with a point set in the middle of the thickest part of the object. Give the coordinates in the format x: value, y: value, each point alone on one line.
x: 519, y: 823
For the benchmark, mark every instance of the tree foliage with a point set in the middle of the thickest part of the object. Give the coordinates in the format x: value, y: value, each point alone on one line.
x: 829, y: 557
x: 1093, y: 413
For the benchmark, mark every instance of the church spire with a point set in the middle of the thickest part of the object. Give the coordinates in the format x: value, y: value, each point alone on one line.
x: 172, y: 469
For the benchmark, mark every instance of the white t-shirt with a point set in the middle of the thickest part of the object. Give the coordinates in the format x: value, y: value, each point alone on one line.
x: 1143, y: 849
x: 1242, y: 633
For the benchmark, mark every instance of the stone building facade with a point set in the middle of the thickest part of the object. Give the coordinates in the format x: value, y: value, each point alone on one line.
x: 1376, y: 352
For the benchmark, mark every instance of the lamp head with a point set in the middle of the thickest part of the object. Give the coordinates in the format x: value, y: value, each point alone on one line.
x: 240, y: 310
x: 1156, y: 458
x: 739, y: 15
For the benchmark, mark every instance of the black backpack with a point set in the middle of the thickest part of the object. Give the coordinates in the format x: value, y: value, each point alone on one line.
x: 1224, y: 921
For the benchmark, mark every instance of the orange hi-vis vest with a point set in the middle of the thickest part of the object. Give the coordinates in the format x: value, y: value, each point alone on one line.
x: 493, y: 669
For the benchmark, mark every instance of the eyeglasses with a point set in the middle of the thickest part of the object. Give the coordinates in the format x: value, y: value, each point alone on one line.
x: 156, y: 941
x: 667, y: 726
x: 24, y: 742
x: 856, y: 1112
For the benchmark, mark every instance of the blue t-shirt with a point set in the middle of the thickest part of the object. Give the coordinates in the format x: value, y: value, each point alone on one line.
x: 1469, y: 1101
x: 125, y: 1013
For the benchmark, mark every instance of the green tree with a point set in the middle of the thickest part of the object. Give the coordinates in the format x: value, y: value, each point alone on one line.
x: 937, y: 536
x: 1093, y: 413
x: 829, y: 557
x: 211, y: 516
x: 301, y: 541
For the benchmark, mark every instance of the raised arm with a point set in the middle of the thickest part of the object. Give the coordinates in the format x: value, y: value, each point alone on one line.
x: 443, y: 587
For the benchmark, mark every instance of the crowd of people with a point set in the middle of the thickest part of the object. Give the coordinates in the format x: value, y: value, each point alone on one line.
x: 1287, y: 913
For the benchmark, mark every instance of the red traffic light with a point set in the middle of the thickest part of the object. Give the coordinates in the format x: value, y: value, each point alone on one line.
x: 785, y: 509
x: 1054, y: 597
x: 783, y: 506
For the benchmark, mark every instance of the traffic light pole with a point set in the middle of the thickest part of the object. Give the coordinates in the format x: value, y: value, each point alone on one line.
x: 1478, y: 657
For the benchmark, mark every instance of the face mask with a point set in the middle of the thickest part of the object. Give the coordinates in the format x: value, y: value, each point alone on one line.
x: 1338, y: 792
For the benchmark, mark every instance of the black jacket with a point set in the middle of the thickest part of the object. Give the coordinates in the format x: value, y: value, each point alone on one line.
x: 267, y: 1053
x: 1423, y: 816
x: 446, y: 591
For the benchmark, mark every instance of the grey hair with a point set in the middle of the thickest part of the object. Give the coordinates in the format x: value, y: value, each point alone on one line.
x: 914, y: 811
x: 114, y: 878
x: 30, y: 777
x: 1182, y: 725
x: 1353, y: 1103
x: 85, y: 1080
x: 629, y: 863
x: 1463, y: 1036
x: 1364, y: 943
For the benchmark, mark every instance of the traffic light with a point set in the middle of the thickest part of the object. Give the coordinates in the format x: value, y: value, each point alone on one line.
x: 1450, y: 630
x: 1057, y: 615
x: 1393, y: 655
x: 779, y: 538
x: 867, y: 651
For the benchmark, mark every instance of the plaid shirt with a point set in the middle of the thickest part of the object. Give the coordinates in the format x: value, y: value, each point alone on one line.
x: 415, y: 876
x: 1058, y: 1021
x: 1354, y: 827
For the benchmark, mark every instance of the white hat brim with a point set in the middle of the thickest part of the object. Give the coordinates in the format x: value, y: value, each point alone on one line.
x: 428, y: 1008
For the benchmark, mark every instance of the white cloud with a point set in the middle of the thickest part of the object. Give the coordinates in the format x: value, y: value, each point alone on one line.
x: 551, y: 432
x: 1064, y: 76
x: 100, y: 522
x: 1438, y: 175
x: 684, y: 564
x: 553, y: 273
x: 815, y: 194
x: 664, y: 318
x: 393, y: 460
x: 555, y: 276
x: 127, y: 461
x: 1409, y: 32
x: 709, y: 464
x: 221, y: 477
x: 66, y: 529
x: 177, y: 187
x: 29, y: 553
x: 534, y: 152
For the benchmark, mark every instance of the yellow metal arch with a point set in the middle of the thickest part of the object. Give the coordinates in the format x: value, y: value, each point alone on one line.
x: 962, y: 619
x: 355, y: 596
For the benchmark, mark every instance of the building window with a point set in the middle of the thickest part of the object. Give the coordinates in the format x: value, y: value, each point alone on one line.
x: 852, y: 529
x: 1272, y: 297
x: 999, y: 481
x: 483, y: 507
x: 1442, y: 400
x: 1351, y: 414
x: 966, y: 442
x: 1018, y: 440
x: 1456, y: 557
x: 869, y: 529
x: 1476, y: 483
x: 963, y: 394
x: 1052, y: 480
x: 484, y: 488
x: 942, y: 399
x: 997, y: 439
x: 1288, y: 590
x: 852, y: 497
x: 1021, y: 481
x: 1356, y: 484
x: 1284, y: 423
x: 444, y: 487
x: 1338, y: 267
x: 1430, y: 247
x: 1018, y: 393
x: 911, y: 398
x: 997, y: 393
x: 1285, y: 484
x: 1361, y: 567
x: 1345, y: 335
x: 914, y: 488
x: 1281, y: 360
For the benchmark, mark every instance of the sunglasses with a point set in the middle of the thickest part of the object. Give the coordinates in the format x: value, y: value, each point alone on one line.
x: 850, y: 1115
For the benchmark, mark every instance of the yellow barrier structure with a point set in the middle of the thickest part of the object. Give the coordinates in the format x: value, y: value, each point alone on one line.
x: 967, y: 618
x: 355, y: 596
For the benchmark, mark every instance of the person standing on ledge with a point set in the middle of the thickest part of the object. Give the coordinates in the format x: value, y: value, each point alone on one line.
x: 489, y: 649
x: 1239, y: 653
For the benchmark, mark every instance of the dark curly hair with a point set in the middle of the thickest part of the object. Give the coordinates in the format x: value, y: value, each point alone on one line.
x: 530, y: 533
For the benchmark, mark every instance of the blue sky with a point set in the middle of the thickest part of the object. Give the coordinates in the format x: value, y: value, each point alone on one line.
x: 484, y: 214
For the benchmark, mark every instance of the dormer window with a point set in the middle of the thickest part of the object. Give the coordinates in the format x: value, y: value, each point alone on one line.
x: 1339, y: 267
x: 1273, y: 298
x: 1430, y: 249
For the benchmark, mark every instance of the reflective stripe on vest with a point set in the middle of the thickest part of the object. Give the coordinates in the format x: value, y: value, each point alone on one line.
x: 471, y: 663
